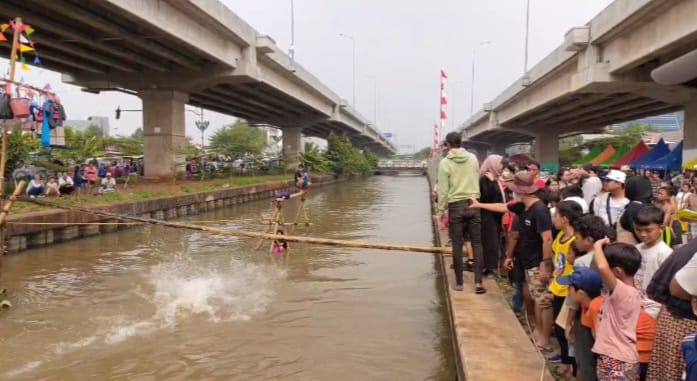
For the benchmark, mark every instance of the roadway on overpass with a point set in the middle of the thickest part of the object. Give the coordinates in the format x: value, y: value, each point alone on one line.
x: 600, y: 75
x: 176, y: 52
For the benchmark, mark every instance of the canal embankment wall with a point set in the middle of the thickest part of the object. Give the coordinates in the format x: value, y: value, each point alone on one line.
x: 488, y: 340
x: 42, y: 228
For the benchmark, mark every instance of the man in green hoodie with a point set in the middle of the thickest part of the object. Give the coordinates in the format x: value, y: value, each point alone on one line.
x: 458, y: 181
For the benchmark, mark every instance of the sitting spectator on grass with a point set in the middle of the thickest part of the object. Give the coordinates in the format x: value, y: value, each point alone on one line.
x: 65, y: 184
x: 36, y: 187
x: 108, y: 184
x: 52, y: 188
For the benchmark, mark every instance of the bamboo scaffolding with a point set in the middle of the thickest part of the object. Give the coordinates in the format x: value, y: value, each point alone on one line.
x: 6, y: 210
x: 262, y: 236
x: 13, y: 59
x: 297, y: 215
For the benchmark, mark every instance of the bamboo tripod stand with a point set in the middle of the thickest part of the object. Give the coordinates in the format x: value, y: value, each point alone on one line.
x: 277, y: 220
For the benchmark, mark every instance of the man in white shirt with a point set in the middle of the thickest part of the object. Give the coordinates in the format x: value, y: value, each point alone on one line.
x: 591, y: 185
x: 65, y: 184
x: 610, y: 205
x: 108, y: 184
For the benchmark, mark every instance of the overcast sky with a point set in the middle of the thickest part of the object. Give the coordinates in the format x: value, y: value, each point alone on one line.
x: 401, y: 47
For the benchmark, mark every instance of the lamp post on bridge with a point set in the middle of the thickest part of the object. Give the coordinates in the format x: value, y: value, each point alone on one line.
x: 202, y: 126
x: 526, y: 78
x: 291, y: 49
x: 353, y: 45
x: 474, y: 56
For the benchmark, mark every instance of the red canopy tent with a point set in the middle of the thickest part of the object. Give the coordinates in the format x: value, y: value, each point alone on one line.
x: 637, y: 152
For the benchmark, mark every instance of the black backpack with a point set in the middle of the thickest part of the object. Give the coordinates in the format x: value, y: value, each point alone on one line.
x: 5, y: 109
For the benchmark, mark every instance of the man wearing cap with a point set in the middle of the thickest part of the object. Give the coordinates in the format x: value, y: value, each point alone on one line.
x: 534, y: 227
x: 458, y: 181
x: 610, y: 205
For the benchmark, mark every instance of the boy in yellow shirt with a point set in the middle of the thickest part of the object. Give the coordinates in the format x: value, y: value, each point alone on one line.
x: 566, y: 212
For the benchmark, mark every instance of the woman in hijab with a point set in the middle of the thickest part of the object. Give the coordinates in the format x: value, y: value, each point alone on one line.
x: 491, y: 192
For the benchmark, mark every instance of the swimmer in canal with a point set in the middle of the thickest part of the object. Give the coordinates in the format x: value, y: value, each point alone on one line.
x: 280, y: 246
x: 302, y: 178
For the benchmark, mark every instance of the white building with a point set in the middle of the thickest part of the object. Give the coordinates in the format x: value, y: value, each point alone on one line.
x: 274, y: 141
x: 82, y: 125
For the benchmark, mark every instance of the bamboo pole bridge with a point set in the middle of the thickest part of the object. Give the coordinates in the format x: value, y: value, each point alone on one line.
x: 261, y: 236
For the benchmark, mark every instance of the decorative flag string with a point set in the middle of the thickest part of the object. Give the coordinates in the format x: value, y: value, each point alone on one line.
x: 25, y: 45
x: 443, y: 115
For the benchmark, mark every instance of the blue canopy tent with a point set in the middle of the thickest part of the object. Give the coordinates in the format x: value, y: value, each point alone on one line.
x: 661, y: 149
x: 670, y: 162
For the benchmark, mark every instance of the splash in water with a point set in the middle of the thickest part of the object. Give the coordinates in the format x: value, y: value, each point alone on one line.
x: 234, y: 291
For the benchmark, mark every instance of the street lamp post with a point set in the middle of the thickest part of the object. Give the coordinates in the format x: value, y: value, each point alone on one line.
x: 202, y: 125
x: 291, y: 50
x: 474, y: 56
x: 527, y: 29
x: 353, y: 45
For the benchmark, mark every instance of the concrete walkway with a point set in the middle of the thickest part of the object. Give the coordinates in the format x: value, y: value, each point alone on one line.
x: 492, y: 344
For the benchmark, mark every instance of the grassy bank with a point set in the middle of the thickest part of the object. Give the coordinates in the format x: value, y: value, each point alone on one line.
x: 144, y: 191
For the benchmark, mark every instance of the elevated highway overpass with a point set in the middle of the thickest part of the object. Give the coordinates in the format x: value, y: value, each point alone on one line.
x: 600, y: 75
x: 176, y: 52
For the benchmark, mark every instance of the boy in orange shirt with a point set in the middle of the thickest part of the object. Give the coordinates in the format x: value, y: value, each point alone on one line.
x: 585, y: 285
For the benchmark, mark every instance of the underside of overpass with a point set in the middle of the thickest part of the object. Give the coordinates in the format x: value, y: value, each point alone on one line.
x: 603, y: 73
x: 192, y: 57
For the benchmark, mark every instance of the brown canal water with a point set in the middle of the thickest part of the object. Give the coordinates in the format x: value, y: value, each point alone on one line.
x: 154, y: 303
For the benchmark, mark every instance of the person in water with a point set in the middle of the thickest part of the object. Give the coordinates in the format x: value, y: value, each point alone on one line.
x: 280, y: 245
x: 302, y: 178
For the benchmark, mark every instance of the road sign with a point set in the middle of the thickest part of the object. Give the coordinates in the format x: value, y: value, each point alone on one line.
x: 387, y: 135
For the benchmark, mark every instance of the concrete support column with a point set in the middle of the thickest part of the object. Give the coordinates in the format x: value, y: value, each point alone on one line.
x: 164, y: 132
x: 292, y: 145
x: 547, y: 151
x: 497, y: 150
x: 689, y: 130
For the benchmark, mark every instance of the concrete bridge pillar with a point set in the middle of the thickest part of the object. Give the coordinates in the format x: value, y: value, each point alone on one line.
x: 547, y: 151
x: 689, y: 145
x: 292, y: 145
x: 497, y: 150
x: 163, y: 132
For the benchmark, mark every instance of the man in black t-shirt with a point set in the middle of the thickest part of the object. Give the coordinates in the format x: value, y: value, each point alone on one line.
x: 534, y: 226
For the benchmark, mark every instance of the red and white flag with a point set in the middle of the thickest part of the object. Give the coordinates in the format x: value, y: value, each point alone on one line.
x: 443, y: 115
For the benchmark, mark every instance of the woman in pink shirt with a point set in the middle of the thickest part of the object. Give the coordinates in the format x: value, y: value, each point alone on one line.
x: 91, y: 174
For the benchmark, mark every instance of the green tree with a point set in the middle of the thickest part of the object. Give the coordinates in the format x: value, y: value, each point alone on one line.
x: 423, y: 153
x: 371, y: 159
x: 138, y: 134
x: 314, y: 160
x: 127, y: 145
x: 345, y: 159
x: 81, y: 146
x: 238, y: 139
x: 19, y: 146
x: 96, y: 131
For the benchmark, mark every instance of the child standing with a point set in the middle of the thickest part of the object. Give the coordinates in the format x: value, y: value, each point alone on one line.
x: 648, y: 225
x: 616, y: 339
x: 587, y: 230
x: 566, y: 211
